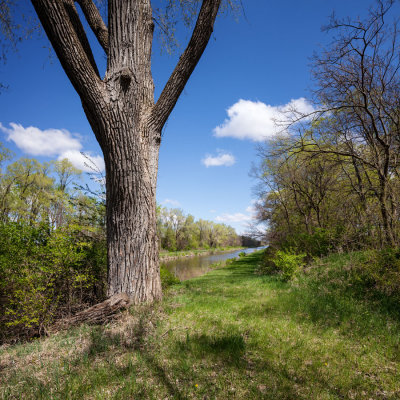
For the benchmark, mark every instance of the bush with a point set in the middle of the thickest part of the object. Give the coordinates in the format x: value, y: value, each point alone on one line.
x: 229, y: 261
x: 289, y: 264
x: 267, y: 266
x: 285, y: 263
x: 317, y: 244
x: 46, y: 274
x: 242, y: 254
x: 167, y: 278
x: 378, y: 272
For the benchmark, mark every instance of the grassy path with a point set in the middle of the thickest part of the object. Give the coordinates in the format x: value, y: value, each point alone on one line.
x: 227, y: 335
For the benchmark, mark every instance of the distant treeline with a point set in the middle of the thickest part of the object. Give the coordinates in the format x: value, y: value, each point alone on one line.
x: 248, y: 241
x: 178, y: 231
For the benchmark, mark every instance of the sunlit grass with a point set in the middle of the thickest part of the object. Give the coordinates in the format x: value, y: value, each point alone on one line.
x: 230, y: 334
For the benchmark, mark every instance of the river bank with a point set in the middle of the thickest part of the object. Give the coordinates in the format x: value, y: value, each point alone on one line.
x: 229, y: 334
x: 176, y: 255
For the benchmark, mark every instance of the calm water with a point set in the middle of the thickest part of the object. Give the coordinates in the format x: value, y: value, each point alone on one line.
x: 190, y: 267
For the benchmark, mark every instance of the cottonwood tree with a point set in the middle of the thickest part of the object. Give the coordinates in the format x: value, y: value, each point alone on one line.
x: 125, y: 119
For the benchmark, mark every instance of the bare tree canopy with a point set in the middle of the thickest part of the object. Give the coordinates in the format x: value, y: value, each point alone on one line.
x: 353, y: 137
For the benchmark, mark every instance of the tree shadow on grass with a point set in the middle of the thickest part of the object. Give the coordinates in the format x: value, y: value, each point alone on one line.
x: 229, y: 347
x: 135, y: 338
x: 284, y: 382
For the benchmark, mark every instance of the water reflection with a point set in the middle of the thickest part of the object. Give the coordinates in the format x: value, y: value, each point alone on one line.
x: 191, y: 267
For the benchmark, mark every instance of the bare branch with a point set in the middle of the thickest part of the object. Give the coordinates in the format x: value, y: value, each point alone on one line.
x: 61, y: 22
x: 186, y: 64
x: 95, y: 21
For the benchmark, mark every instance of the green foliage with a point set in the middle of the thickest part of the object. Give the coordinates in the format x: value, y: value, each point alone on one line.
x: 45, y: 274
x: 285, y: 263
x: 167, y: 278
x: 229, y: 262
x: 377, y: 273
x: 316, y: 244
x: 242, y: 254
x: 267, y: 265
x: 288, y: 263
x: 52, y: 246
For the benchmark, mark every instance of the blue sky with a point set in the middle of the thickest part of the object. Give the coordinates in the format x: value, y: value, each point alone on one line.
x: 252, y: 68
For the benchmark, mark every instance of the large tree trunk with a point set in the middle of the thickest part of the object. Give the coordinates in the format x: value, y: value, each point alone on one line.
x: 130, y: 148
x: 132, y: 240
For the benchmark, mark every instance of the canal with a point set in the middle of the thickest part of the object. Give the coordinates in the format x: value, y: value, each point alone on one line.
x: 191, y: 267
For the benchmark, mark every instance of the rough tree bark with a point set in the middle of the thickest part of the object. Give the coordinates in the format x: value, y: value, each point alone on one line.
x: 126, y: 120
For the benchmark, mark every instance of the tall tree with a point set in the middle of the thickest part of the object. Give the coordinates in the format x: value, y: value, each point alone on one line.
x: 359, y: 86
x: 126, y: 119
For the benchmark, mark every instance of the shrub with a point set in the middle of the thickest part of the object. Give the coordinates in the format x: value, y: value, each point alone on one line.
x: 229, y: 261
x: 268, y: 261
x: 378, y: 272
x: 285, y: 263
x: 242, y: 254
x: 288, y: 263
x: 317, y: 244
x: 46, y: 274
x: 167, y: 278
x: 267, y: 266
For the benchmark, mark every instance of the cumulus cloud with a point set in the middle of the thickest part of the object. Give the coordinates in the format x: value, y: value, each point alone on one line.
x: 258, y: 121
x: 252, y: 209
x: 49, y: 142
x: 222, y: 159
x: 236, y: 217
x: 77, y: 159
x: 173, y: 203
x: 244, y: 218
x: 58, y: 143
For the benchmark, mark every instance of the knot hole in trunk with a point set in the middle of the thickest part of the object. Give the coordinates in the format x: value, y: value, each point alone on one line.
x: 125, y: 78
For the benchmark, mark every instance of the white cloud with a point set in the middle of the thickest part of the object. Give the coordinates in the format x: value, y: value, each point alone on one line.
x: 258, y: 121
x: 49, y: 142
x: 243, y: 220
x: 58, y: 143
x: 174, y: 203
x: 252, y: 207
x: 237, y: 217
x: 77, y: 159
x: 222, y: 159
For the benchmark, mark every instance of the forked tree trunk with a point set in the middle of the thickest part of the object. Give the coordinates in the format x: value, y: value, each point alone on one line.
x: 126, y: 121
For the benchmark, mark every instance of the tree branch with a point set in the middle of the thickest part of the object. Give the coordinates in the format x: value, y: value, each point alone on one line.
x: 66, y: 34
x: 186, y: 64
x: 95, y: 21
x: 80, y: 32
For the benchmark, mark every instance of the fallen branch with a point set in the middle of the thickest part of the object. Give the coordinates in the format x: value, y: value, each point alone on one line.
x: 97, y: 314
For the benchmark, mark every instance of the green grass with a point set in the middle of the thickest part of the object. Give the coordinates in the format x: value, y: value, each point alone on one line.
x: 230, y: 334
